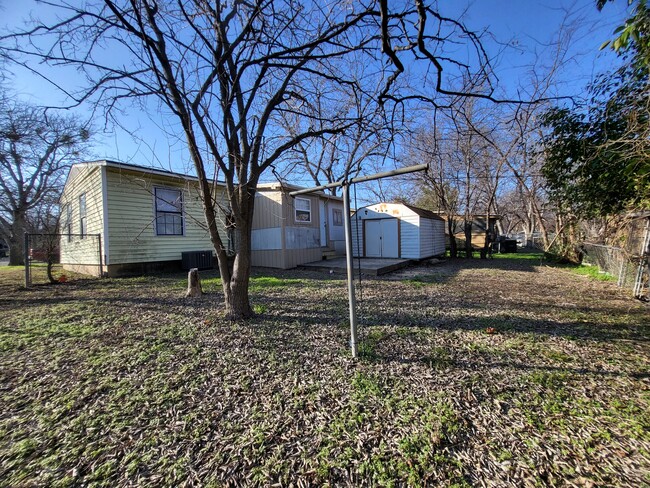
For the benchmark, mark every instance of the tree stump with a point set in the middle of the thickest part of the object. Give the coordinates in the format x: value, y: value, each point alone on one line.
x: 193, y: 284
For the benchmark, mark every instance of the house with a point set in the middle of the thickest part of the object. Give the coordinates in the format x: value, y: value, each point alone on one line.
x: 479, y: 226
x: 395, y: 230
x: 119, y: 218
x: 288, y: 232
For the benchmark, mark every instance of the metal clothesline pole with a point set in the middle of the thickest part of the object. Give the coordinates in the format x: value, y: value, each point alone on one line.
x: 345, y: 184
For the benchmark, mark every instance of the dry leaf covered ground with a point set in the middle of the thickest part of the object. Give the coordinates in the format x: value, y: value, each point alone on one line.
x: 480, y: 373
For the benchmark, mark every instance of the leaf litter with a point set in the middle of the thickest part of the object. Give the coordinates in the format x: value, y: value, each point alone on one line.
x: 123, y: 382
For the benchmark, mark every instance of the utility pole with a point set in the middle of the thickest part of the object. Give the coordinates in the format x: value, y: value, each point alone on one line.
x: 347, y: 222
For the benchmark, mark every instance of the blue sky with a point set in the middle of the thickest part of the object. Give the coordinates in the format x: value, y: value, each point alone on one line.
x: 520, y: 34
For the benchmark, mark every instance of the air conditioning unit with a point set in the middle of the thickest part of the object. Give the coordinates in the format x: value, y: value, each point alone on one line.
x: 197, y: 259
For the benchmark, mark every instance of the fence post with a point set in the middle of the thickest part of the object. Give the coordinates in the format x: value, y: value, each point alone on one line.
x: 26, y: 259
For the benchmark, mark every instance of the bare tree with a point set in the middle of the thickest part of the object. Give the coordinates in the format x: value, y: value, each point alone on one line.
x: 230, y: 71
x: 35, y: 150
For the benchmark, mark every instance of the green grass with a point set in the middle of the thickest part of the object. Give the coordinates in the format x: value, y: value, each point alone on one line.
x: 421, y: 281
x: 592, y: 272
x: 520, y: 255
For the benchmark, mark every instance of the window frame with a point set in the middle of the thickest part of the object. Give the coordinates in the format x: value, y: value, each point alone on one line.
x: 337, y: 217
x: 296, y: 210
x: 68, y: 221
x: 157, y: 213
x: 83, y: 220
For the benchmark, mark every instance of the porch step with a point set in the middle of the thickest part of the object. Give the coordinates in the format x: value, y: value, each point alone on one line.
x: 329, y: 253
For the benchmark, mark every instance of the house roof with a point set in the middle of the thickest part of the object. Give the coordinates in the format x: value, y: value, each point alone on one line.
x: 287, y: 187
x: 427, y: 214
x: 423, y: 212
x: 135, y: 167
x: 472, y: 216
x: 171, y: 174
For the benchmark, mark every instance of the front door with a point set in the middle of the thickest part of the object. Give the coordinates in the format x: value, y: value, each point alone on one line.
x: 323, y: 223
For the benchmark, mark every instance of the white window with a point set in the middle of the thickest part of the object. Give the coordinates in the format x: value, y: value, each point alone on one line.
x: 303, y: 210
x: 169, y: 212
x: 337, y: 216
x: 82, y: 215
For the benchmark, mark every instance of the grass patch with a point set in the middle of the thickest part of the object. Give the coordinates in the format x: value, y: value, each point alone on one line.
x: 590, y: 271
x: 521, y: 255
x: 421, y: 281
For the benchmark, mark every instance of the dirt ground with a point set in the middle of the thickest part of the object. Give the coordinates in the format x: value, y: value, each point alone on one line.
x: 504, y: 372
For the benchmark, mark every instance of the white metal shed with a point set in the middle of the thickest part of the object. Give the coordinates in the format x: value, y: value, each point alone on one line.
x: 395, y: 230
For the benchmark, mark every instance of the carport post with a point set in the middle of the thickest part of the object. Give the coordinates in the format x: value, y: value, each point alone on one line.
x: 28, y: 278
x: 347, y: 220
x: 349, y: 264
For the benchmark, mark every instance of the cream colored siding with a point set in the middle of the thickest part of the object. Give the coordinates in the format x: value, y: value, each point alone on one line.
x: 83, y: 179
x: 131, y: 219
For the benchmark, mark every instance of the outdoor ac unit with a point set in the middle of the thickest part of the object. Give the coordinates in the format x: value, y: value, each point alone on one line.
x: 197, y: 259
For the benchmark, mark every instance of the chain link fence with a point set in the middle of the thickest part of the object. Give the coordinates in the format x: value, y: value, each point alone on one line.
x: 630, y: 270
x: 57, y: 258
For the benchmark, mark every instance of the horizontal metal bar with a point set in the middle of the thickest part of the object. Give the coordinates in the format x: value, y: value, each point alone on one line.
x: 361, y: 179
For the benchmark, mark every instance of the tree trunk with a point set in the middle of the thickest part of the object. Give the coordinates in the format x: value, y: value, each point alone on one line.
x: 194, y: 289
x: 235, y: 290
x: 453, y: 245
x: 17, y: 240
x: 467, y: 228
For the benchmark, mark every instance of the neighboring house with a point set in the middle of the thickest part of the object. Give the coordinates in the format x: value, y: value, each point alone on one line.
x: 4, y: 249
x: 479, y: 226
x: 121, y: 218
x: 395, y: 230
x: 142, y: 219
x: 291, y: 231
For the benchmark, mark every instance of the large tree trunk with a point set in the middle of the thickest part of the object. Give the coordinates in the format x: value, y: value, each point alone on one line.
x: 17, y: 240
x: 453, y: 245
x: 467, y: 228
x: 235, y: 289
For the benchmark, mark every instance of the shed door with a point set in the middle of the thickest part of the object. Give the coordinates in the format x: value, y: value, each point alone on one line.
x: 382, y: 238
x: 389, y: 239
x: 373, y: 238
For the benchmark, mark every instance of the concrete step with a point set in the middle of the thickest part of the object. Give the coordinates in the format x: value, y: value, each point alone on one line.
x: 329, y: 254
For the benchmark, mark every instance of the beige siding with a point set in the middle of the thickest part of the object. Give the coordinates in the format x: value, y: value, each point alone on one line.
x: 131, y: 219
x: 268, y: 210
x: 296, y: 257
x: 268, y: 259
x: 77, y: 251
x: 279, y: 241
